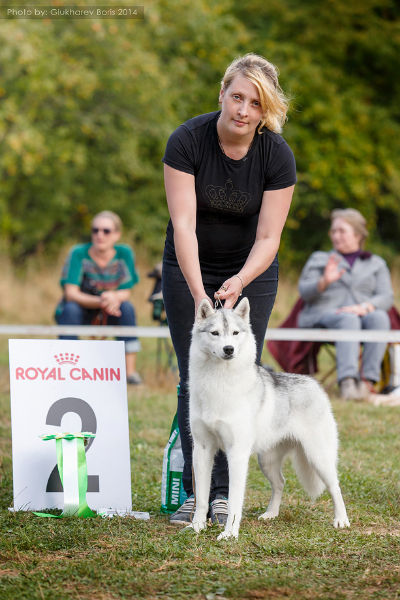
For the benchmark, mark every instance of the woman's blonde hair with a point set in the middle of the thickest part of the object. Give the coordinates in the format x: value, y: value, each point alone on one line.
x: 108, y: 214
x: 264, y: 75
x: 354, y: 218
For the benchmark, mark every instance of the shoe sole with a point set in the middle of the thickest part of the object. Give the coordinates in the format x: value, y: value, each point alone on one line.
x: 180, y: 522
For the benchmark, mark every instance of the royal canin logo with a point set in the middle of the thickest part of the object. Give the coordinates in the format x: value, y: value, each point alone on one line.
x: 76, y: 374
x: 66, y: 359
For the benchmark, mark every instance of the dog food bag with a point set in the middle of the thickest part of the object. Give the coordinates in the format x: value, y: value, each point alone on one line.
x: 172, y: 493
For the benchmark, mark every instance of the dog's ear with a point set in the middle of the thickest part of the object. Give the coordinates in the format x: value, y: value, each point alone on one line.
x: 243, y: 310
x: 205, y: 310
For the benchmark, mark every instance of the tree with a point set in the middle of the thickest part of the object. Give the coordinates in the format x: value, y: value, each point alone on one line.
x: 87, y: 108
x: 340, y: 61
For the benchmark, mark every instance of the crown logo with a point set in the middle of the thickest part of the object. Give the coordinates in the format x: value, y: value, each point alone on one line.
x: 66, y: 358
x: 227, y: 198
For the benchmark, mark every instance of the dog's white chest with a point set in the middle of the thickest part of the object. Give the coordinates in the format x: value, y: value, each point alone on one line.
x: 217, y: 433
x: 218, y: 421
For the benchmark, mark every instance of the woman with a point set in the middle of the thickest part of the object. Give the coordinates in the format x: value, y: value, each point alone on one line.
x: 97, y: 277
x: 229, y: 180
x: 348, y: 288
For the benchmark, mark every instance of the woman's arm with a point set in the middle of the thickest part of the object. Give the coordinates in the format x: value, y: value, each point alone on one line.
x: 181, y: 198
x: 383, y: 296
x: 108, y: 301
x: 274, y: 210
x: 73, y: 293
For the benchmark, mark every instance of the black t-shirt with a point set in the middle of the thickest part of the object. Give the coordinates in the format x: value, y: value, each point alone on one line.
x: 228, y: 192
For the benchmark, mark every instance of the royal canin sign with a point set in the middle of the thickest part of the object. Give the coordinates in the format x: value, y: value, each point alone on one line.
x: 76, y: 373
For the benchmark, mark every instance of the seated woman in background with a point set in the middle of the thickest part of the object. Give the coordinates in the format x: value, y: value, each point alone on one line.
x: 348, y: 288
x: 98, y: 277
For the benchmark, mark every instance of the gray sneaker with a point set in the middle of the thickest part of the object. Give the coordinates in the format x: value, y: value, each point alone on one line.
x: 184, y: 514
x: 348, y: 389
x: 219, y: 510
x: 365, y: 389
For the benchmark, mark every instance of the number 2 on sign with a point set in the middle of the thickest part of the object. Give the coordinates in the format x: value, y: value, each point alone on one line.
x: 89, y: 423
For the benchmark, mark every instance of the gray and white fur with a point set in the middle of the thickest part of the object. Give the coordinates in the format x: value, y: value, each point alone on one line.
x: 241, y: 408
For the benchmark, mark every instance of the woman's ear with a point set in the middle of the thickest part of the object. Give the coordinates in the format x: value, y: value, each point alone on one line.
x: 221, y: 95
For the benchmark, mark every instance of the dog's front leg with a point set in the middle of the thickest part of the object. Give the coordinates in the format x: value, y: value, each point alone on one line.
x: 238, y: 462
x: 203, y: 458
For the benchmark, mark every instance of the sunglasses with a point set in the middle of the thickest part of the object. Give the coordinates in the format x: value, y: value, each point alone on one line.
x: 106, y: 231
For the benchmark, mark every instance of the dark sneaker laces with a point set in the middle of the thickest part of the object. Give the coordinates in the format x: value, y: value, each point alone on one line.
x: 187, y: 506
x: 219, y: 510
x: 185, y: 513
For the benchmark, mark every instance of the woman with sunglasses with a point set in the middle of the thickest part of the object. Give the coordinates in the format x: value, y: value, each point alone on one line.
x: 229, y: 180
x: 97, y: 279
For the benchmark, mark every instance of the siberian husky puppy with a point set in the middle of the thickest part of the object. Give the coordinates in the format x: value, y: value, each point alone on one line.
x: 241, y: 408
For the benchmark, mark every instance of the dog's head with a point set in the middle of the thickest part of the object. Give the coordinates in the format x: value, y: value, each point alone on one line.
x: 222, y: 333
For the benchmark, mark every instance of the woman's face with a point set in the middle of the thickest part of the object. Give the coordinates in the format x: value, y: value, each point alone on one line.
x: 343, y: 237
x: 241, y: 109
x: 104, y: 234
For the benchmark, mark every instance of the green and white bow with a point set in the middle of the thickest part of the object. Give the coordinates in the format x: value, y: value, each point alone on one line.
x: 71, y: 463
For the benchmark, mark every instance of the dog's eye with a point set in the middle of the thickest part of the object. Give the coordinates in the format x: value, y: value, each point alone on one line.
x: 214, y: 333
x: 235, y: 333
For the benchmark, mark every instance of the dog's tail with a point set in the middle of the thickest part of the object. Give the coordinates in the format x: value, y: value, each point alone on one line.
x: 308, y: 476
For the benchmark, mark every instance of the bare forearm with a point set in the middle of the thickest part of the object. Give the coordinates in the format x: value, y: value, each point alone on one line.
x: 260, y: 258
x: 123, y: 295
x: 85, y: 300
x: 322, y: 284
x: 182, y: 203
x: 187, y: 253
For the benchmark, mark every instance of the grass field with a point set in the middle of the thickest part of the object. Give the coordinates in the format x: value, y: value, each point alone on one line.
x: 299, y: 555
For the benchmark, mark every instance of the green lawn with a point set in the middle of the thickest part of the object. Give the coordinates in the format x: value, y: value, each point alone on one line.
x: 298, y: 555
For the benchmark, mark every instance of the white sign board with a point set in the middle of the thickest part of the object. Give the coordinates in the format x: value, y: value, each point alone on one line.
x: 67, y: 385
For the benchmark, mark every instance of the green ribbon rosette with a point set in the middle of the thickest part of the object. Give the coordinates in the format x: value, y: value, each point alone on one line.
x: 71, y: 463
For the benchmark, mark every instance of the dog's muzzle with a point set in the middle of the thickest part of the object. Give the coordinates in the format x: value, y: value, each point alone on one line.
x: 228, y: 352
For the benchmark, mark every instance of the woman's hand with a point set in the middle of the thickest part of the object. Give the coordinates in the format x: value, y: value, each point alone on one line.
x: 331, y: 272
x: 230, y: 291
x: 358, y: 309
x: 110, y: 303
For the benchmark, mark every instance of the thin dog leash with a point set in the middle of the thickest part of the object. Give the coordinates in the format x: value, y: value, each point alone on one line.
x: 218, y: 301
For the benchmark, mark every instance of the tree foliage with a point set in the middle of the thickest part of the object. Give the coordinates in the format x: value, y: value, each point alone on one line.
x: 86, y: 108
x: 339, y: 59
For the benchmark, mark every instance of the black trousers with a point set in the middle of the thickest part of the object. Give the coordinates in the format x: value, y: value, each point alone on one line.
x: 179, y: 306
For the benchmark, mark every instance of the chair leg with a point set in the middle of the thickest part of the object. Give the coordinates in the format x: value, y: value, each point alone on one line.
x: 328, y: 374
x: 324, y: 381
x: 311, y: 361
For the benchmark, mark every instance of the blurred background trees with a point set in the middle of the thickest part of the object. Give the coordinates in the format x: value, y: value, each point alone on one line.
x: 86, y: 108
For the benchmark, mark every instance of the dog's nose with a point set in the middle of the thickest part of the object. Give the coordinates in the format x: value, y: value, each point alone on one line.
x: 229, y: 350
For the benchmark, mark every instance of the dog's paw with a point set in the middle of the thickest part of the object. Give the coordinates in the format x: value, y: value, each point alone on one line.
x: 227, y: 534
x: 197, y: 526
x: 340, y: 522
x: 268, y: 515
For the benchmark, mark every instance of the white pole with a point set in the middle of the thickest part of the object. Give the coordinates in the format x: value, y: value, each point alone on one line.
x: 306, y: 335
